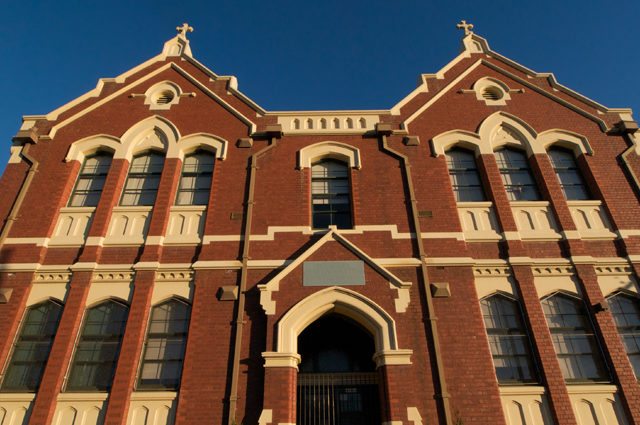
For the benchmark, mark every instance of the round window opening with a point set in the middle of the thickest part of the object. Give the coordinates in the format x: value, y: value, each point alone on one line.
x: 492, y: 93
x: 164, y: 97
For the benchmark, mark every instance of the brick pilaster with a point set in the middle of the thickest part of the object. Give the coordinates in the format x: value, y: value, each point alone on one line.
x: 280, y: 393
x: 131, y: 349
x: 62, y: 349
x: 549, y: 367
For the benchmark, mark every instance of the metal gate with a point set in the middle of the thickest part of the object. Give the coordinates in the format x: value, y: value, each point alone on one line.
x: 338, y: 399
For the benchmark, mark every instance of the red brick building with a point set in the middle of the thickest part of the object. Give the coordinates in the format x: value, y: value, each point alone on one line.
x: 172, y: 253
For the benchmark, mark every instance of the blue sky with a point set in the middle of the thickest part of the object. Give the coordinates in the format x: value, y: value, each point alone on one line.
x: 287, y: 55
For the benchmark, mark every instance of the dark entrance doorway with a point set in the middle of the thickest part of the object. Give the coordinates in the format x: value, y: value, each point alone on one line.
x: 337, y: 383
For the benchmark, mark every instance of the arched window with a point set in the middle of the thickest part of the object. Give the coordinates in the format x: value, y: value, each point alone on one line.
x: 96, y: 356
x: 93, y: 174
x: 574, y: 340
x: 464, y: 176
x: 516, y: 175
x: 330, y: 194
x: 509, y: 340
x: 164, y: 349
x: 626, y: 313
x: 32, y: 348
x: 571, y: 181
x: 195, y: 180
x: 143, y: 179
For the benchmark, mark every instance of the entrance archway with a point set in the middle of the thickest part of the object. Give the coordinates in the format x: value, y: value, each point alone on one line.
x: 337, y: 380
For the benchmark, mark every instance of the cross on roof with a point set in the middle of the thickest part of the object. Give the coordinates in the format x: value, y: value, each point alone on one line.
x: 467, y: 27
x: 184, y: 29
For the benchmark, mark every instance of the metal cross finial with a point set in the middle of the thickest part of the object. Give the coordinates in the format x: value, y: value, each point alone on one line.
x: 184, y: 29
x: 467, y: 27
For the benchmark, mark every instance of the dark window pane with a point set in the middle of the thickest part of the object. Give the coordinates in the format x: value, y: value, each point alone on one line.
x: 516, y: 175
x: 330, y: 195
x: 195, y: 180
x: 463, y: 173
x: 574, y: 340
x: 568, y: 174
x: 165, y: 345
x: 97, y: 352
x: 626, y: 313
x: 509, y: 340
x: 143, y: 180
x: 93, y: 174
x: 32, y: 348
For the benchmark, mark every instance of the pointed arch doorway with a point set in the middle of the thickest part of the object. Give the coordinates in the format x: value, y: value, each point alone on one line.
x: 337, y: 380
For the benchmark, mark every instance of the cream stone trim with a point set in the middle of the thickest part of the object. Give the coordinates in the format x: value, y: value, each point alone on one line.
x: 40, y: 292
x: 72, y: 396
x: 266, y: 290
x: 502, y: 129
x: 164, y: 86
x: 578, y: 143
x: 490, y: 285
x: 276, y: 359
x: 348, y: 303
x: 27, y: 241
x: 530, y: 404
x: 266, y: 417
x: 392, y: 423
x: 443, y: 142
x: 154, y: 395
x: 101, y: 291
x: 14, y: 155
x: 549, y: 285
x: 553, y: 271
x: 174, y: 276
x: 599, y: 404
x: 328, y: 122
x: 187, y: 144
x: 613, y: 269
x: 230, y: 264
x: 413, y: 415
x: 336, y: 150
x: 485, y: 83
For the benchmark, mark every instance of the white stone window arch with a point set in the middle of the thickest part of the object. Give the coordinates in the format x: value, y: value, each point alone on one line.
x: 163, y: 95
x: 344, y: 302
x: 209, y: 142
x: 334, y: 150
x: 491, y: 91
x: 505, y: 130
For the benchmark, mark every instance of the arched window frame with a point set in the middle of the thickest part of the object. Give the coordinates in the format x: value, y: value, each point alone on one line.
x: 464, y: 175
x: 29, y: 345
x: 516, y: 174
x: 574, y: 339
x: 143, y: 179
x: 196, y: 179
x: 628, y: 325
x: 333, y: 189
x: 90, y: 181
x: 509, y: 344
x: 568, y: 173
x: 92, y: 344
x: 155, y: 342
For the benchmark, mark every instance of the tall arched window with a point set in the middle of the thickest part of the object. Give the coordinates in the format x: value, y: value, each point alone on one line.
x: 574, y: 339
x: 195, y: 180
x: 509, y: 340
x: 165, y: 346
x: 96, y: 356
x: 32, y: 348
x: 516, y: 175
x: 464, y: 176
x: 93, y: 174
x: 626, y: 313
x: 330, y: 194
x: 143, y: 179
x: 571, y: 181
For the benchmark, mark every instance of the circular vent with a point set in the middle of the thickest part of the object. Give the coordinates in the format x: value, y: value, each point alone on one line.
x: 165, y: 97
x: 492, y: 93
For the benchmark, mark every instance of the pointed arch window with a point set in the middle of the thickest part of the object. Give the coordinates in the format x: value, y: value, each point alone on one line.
x: 465, y: 179
x: 165, y: 346
x: 96, y: 355
x: 143, y: 180
x: 195, y: 180
x: 32, y: 348
x: 574, y: 340
x: 516, y: 175
x: 88, y: 188
x: 330, y: 194
x: 509, y: 340
x: 625, y: 310
x: 571, y: 181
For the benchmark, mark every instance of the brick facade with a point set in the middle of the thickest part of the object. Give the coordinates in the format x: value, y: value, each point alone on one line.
x: 240, y: 261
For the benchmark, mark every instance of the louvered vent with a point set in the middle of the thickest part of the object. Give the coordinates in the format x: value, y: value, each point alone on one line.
x: 492, y: 93
x: 165, y: 97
